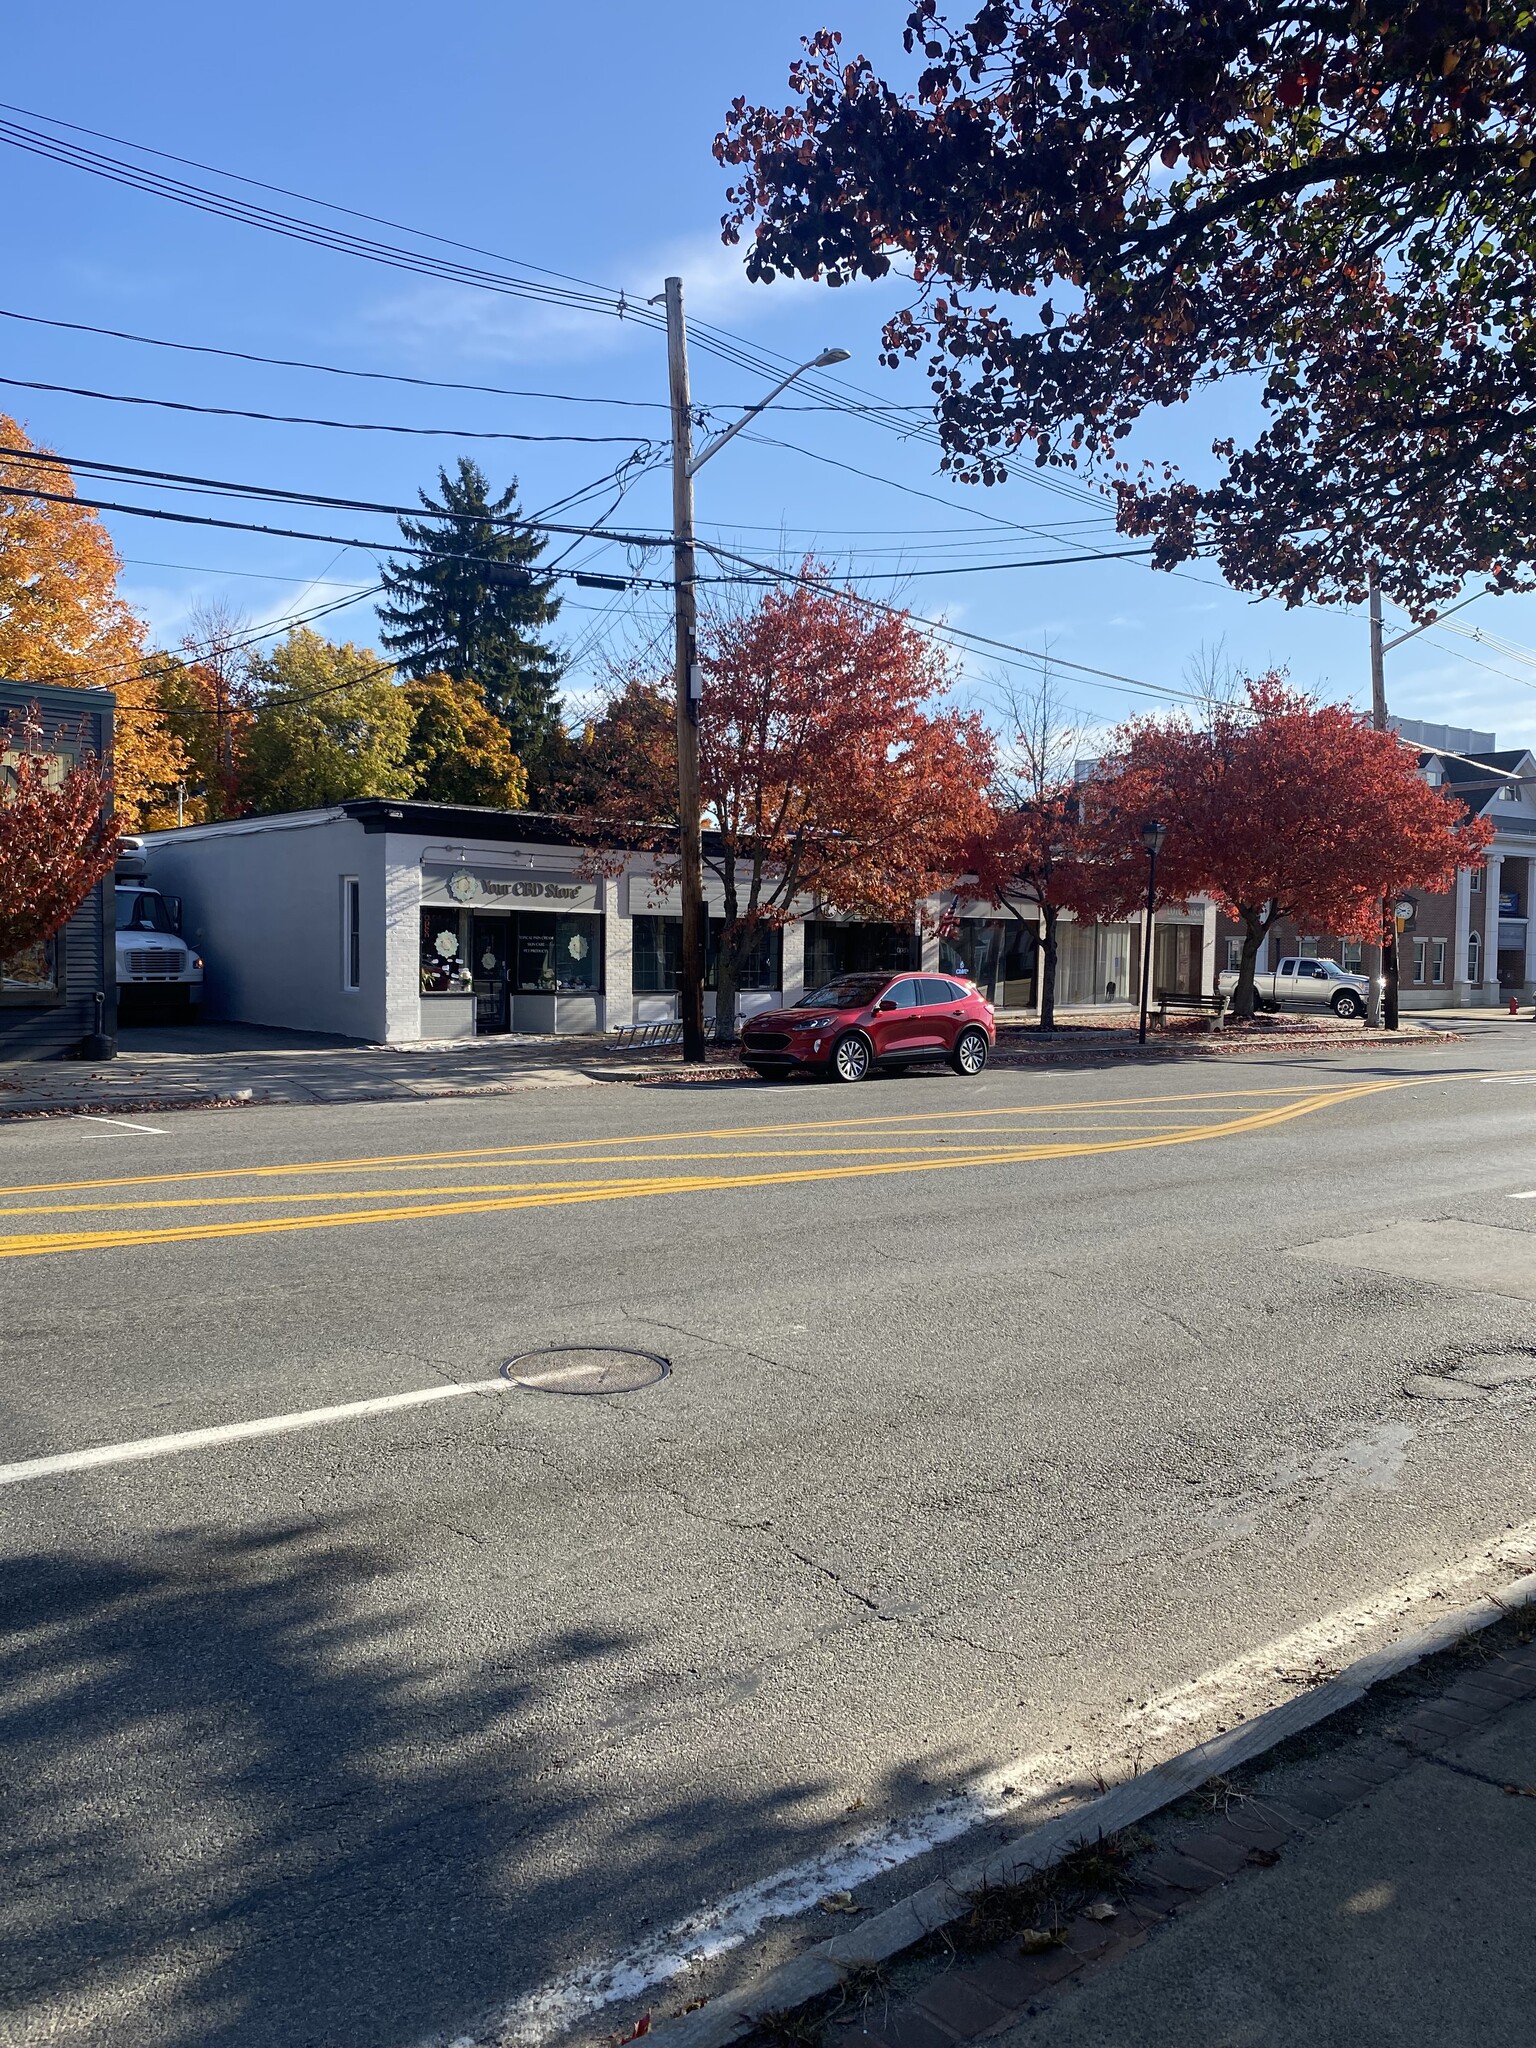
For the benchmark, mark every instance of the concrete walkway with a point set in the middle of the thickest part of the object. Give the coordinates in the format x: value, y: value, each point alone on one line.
x: 169, y: 1067
x: 1379, y: 1892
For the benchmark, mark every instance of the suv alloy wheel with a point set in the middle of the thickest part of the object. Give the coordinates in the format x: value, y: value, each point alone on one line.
x: 850, y: 1057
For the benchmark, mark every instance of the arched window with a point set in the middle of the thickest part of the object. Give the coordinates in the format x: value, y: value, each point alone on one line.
x: 1474, y: 957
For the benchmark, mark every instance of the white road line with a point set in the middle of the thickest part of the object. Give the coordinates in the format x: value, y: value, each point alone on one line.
x: 1525, y: 1195
x: 1022, y: 1790
x: 86, y: 1116
x: 237, y: 1432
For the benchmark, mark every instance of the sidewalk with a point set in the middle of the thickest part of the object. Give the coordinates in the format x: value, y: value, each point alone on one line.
x: 215, y: 1065
x: 1371, y: 1885
x: 183, y: 1067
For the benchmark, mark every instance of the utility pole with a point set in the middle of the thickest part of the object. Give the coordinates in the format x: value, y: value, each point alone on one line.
x: 689, y: 838
x: 690, y: 851
x: 1383, y: 997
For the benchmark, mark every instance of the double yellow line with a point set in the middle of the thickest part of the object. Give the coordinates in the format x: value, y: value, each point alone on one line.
x: 555, y: 1194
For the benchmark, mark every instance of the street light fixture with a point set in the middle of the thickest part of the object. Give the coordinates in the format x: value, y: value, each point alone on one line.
x: 1152, y: 836
x: 685, y: 465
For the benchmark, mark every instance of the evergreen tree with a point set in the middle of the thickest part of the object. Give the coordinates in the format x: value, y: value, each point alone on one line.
x: 469, y: 604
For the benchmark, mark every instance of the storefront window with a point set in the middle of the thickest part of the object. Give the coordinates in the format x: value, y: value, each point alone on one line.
x: 1178, y: 958
x: 1098, y: 963
x: 658, y: 957
x: 1000, y: 954
x: 557, y: 954
x: 33, y: 971
x: 833, y: 950
x: 443, y: 968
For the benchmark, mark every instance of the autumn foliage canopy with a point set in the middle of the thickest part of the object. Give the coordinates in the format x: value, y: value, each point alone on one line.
x: 1105, y: 206
x: 1282, y: 807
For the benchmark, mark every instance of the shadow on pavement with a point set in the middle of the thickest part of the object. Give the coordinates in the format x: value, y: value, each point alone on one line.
x: 239, y: 1811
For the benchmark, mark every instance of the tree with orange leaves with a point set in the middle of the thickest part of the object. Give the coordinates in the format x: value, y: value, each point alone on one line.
x: 1282, y: 807
x: 62, y: 620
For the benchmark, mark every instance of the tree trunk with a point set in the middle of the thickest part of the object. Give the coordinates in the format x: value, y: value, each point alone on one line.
x: 1255, y: 926
x: 1390, y: 970
x: 1048, y: 918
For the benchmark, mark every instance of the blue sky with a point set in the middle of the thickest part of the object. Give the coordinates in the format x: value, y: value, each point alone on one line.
x: 579, y: 140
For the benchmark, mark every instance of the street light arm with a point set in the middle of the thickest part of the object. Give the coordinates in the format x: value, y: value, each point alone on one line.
x: 827, y: 356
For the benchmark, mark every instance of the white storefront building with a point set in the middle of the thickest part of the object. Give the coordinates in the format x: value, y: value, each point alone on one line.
x: 399, y: 923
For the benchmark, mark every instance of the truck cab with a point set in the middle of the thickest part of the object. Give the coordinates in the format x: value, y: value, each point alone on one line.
x: 156, y: 969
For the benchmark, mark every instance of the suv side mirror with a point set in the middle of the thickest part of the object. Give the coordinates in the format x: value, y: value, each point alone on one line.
x: 886, y: 1004
x: 173, y: 905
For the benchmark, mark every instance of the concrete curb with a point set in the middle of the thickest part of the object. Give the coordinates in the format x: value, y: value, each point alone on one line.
x: 823, y: 1969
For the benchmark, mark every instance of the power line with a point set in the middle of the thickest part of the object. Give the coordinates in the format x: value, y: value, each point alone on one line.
x: 241, y: 355
x: 277, y: 494
x: 284, y: 419
x: 939, y: 629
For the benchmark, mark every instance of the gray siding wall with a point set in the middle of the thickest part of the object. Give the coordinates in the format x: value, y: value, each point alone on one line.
x: 262, y: 902
x: 46, y: 1027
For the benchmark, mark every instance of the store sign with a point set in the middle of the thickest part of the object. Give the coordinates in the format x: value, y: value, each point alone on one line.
x: 489, y: 889
x: 1509, y: 903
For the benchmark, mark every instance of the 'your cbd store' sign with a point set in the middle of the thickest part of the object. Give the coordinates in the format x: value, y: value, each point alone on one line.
x: 502, y: 891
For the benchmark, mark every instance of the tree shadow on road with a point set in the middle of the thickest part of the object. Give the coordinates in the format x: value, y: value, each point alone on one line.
x: 240, y: 1811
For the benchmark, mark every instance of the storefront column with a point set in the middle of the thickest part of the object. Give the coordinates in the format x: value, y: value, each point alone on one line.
x: 1461, y: 987
x: 794, y: 958
x: 401, y: 940
x: 1208, y: 966
x: 619, y: 961
x: 1491, y: 928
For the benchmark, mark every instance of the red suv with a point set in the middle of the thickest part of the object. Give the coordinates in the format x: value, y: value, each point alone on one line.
x: 851, y: 1026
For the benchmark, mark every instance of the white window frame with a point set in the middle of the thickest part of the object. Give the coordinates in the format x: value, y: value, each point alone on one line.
x: 1234, y: 955
x: 1420, y: 961
x: 351, y: 935
x: 1476, y: 882
x: 1437, y: 965
x: 1475, y: 959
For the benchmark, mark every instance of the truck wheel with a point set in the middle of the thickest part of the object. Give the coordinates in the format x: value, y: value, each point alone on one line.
x: 1347, y: 1004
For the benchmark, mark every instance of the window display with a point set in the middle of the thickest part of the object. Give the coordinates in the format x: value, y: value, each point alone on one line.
x: 443, y: 968
x: 558, y: 955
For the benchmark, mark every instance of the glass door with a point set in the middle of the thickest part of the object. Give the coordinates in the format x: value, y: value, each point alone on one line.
x: 488, y: 942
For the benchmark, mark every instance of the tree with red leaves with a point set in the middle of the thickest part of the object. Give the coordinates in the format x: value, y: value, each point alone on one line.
x: 1106, y: 206
x: 56, y: 834
x: 1283, y: 807
x: 830, y: 766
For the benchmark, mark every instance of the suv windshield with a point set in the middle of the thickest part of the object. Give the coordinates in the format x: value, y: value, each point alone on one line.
x: 142, y: 910
x: 851, y: 993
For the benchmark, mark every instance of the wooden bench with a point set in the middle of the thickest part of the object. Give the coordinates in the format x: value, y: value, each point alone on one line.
x: 1214, y: 1007
x: 648, y: 1037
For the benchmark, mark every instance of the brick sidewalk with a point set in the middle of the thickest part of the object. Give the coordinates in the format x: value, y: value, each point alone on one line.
x: 1204, y: 1896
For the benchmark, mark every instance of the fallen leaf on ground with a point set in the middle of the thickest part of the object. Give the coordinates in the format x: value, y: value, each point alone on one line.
x: 1101, y: 1909
x: 840, y: 1902
x: 1036, y: 1940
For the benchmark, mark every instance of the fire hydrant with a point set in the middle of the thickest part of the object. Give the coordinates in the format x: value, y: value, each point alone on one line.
x: 1514, y: 1006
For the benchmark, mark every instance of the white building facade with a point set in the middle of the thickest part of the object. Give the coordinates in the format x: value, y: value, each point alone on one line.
x: 404, y: 923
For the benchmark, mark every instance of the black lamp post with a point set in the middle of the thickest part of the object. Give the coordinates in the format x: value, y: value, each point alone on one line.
x: 1152, y: 837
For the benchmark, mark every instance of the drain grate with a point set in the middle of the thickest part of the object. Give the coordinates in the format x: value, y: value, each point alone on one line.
x: 586, y: 1369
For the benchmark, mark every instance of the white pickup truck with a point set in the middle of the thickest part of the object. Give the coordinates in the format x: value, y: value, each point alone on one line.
x: 156, y: 968
x: 1298, y: 984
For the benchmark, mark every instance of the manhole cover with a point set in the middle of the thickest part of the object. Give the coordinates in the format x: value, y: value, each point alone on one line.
x: 586, y: 1369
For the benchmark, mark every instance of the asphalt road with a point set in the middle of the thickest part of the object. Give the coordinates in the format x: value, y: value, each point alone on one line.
x: 992, y: 1404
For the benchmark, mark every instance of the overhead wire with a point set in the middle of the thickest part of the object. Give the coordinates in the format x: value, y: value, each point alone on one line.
x: 285, y: 419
